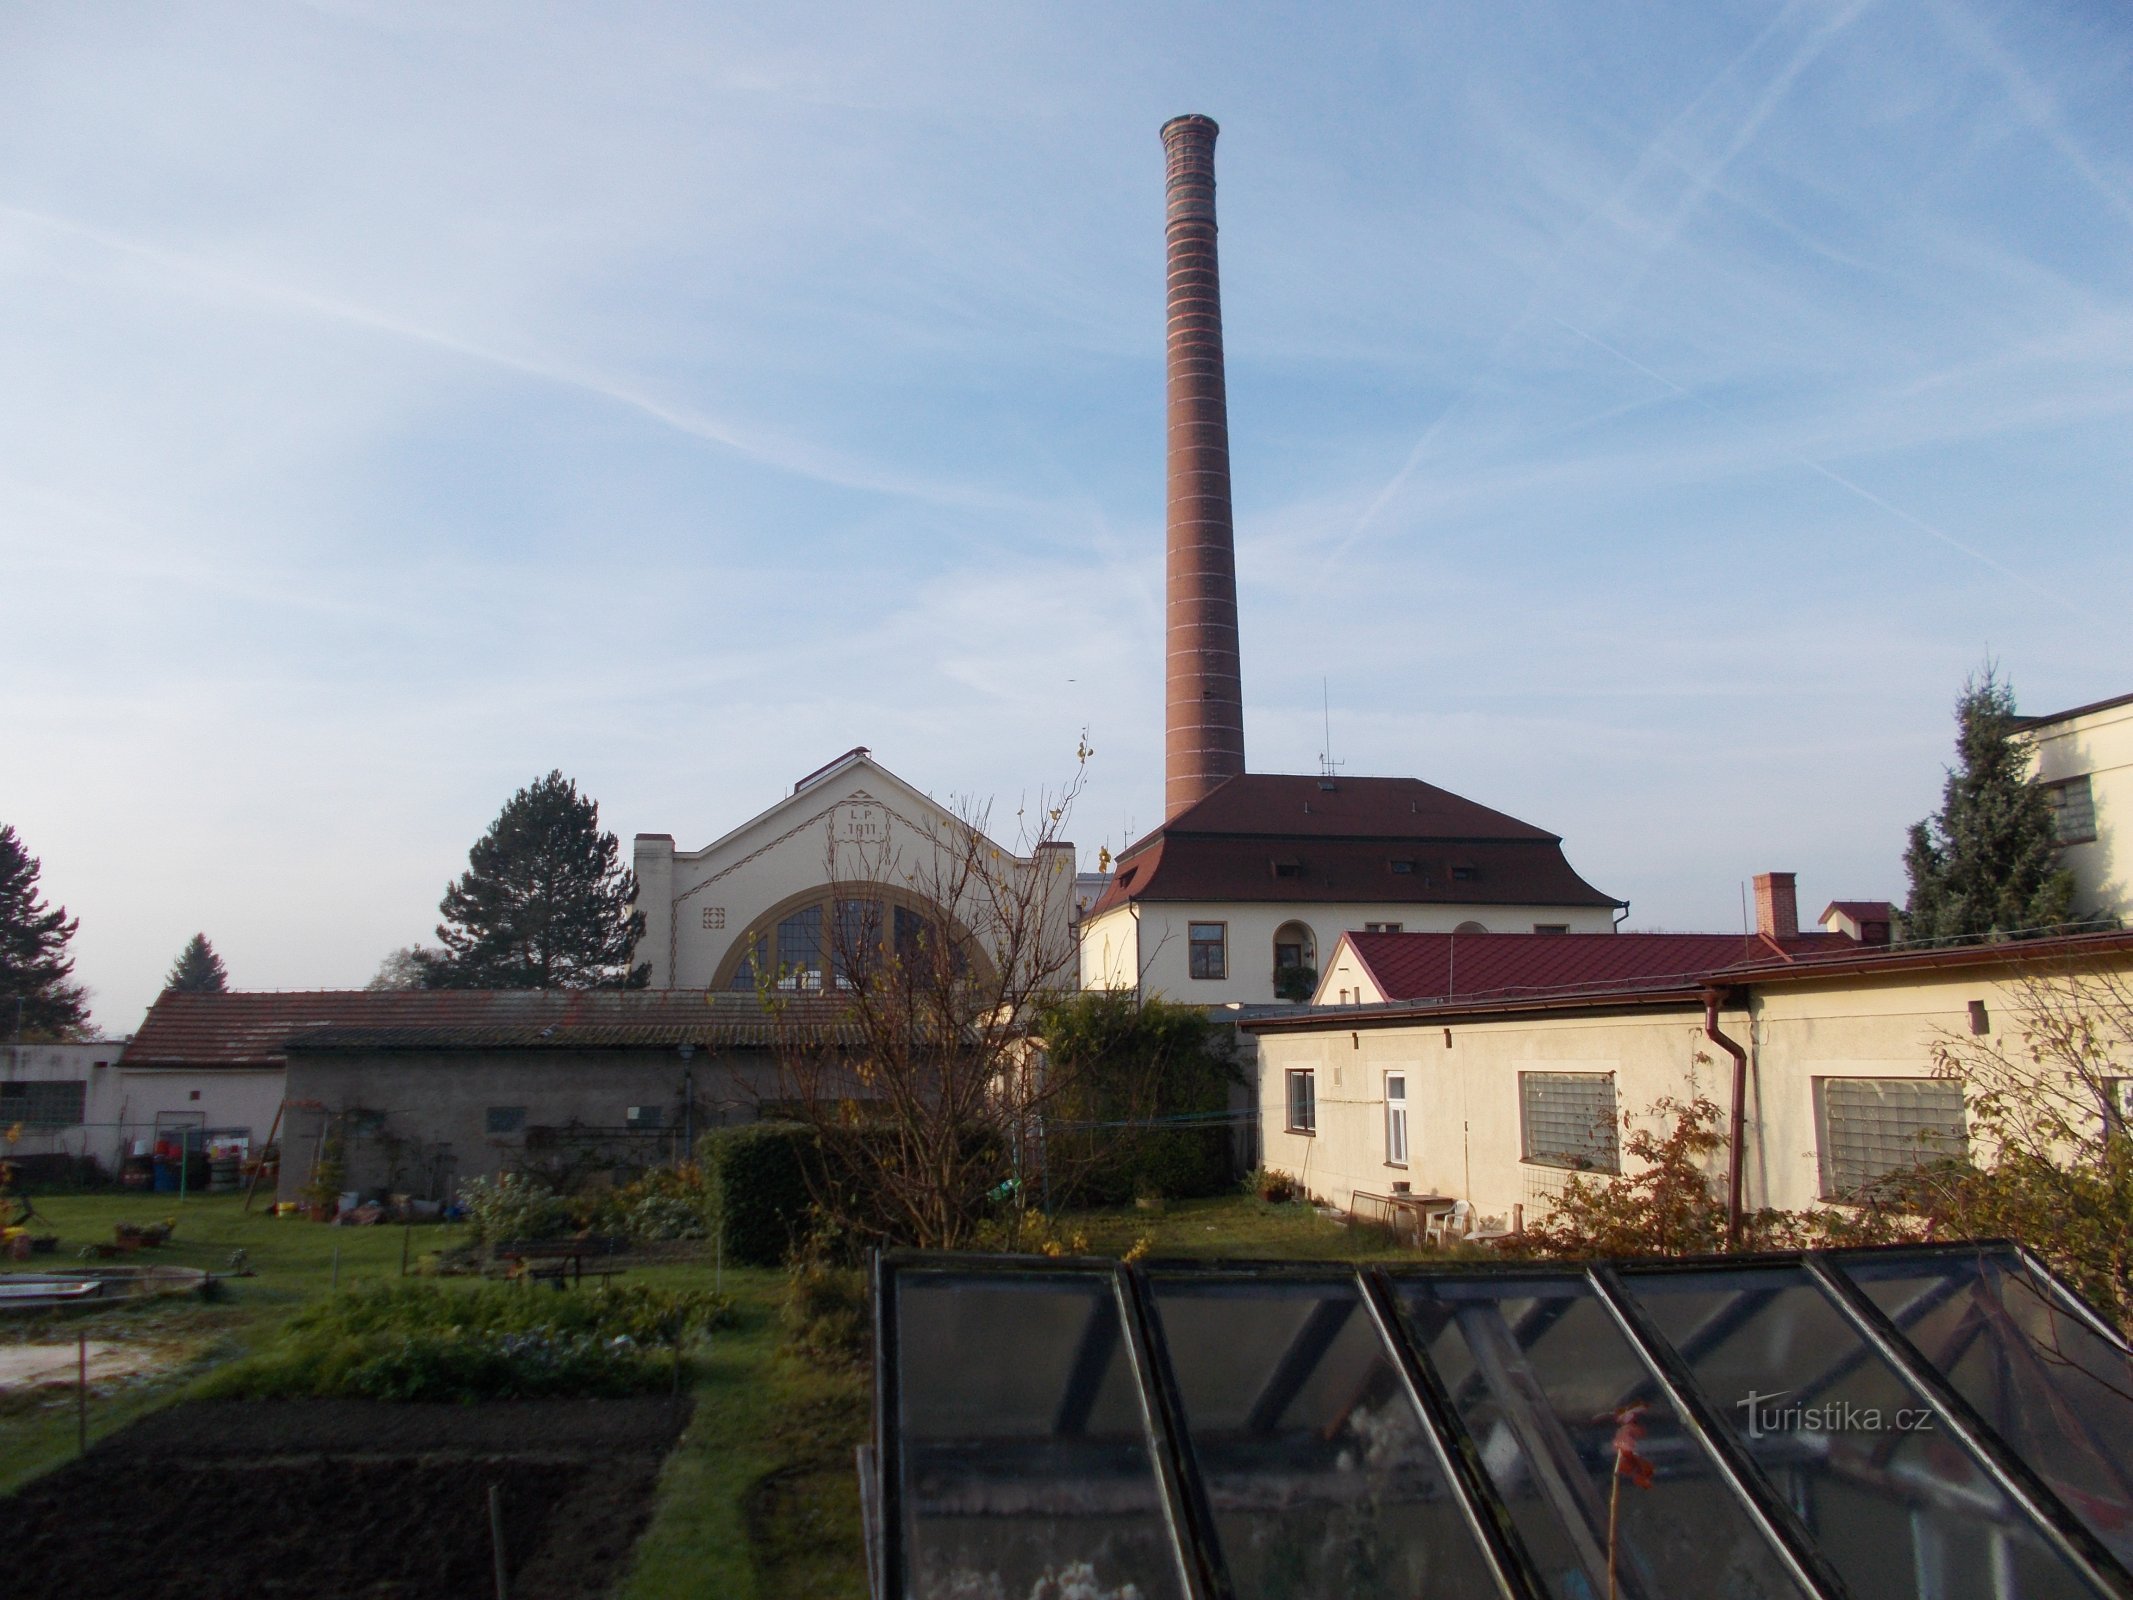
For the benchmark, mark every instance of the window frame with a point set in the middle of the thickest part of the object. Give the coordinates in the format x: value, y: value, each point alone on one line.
x: 1305, y: 1079
x: 1196, y: 948
x: 2056, y: 796
x: 513, y: 1119
x: 1396, y: 1145
x: 1608, y: 1157
x: 1830, y: 1181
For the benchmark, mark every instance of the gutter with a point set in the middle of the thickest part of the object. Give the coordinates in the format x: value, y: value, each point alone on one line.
x: 1736, y: 1133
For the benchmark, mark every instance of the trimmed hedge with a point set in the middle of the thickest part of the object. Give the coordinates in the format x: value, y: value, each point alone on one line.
x: 756, y: 1176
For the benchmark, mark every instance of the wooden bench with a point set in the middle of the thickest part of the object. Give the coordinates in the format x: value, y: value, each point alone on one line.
x: 561, y: 1261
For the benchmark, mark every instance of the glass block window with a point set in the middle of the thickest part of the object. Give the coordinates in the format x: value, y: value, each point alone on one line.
x: 800, y: 949
x: 505, y: 1119
x: 1567, y: 1119
x: 1303, y: 1101
x: 1867, y: 1128
x: 58, y: 1103
x: 1208, y: 942
x: 2073, y: 810
x: 1396, y: 1118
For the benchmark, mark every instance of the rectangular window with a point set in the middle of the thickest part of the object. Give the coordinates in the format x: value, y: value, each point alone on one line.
x: 505, y: 1119
x: 56, y: 1103
x: 646, y: 1117
x: 1869, y: 1127
x: 2073, y: 810
x: 1381, y: 927
x: 800, y: 949
x: 1396, y: 1119
x: 855, y: 950
x: 1403, y: 866
x: 1465, y: 874
x: 1567, y: 1119
x: 1303, y: 1101
x: 1288, y: 869
x: 1208, y: 946
x: 1551, y: 927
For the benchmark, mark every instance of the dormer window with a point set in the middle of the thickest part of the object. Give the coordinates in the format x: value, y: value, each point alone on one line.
x: 1465, y: 874
x: 1403, y: 867
x: 1288, y: 869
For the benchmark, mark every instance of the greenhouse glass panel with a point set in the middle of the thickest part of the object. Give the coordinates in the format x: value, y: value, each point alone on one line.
x: 1610, y: 1492
x: 1026, y: 1456
x: 2055, y: 1388
x: 1321, y: 1475
x: 1897, y: 1504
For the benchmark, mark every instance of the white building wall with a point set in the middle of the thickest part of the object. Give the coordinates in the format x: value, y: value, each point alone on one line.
x: 859, y: 824
x: 1160, y: 955
x: 1463, y: 1093
x: 121, y: 1104
x: 2098, y: 746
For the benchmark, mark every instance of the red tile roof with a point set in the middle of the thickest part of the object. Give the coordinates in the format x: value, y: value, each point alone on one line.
x: 257, y: 1029
x: 1297, y: 839
x: 1436, y: 966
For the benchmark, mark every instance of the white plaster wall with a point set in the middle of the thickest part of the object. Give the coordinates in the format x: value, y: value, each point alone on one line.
x: 1463, y: 1097
x: 1166, y: 967
x: 1110, y: 950
x: 120, y: 1103
x: 2100, y: 745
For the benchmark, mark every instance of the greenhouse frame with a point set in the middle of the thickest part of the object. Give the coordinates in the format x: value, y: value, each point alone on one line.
x: 1940, y: 1421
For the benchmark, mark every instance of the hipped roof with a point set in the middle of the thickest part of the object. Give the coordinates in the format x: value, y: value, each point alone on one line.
x: 1287, y: 837
x: 1417, y: 966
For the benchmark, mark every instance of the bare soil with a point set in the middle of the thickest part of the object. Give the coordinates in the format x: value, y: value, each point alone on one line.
x: 345, y: 1497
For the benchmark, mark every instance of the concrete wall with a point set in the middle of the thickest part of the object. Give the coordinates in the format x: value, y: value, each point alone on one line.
x: 427, y: 1129
x: 2100, y: 747
x: 1464, y: 1097
x: 861, y: 824
x: 1148, y: 942
x: 122, y: 1104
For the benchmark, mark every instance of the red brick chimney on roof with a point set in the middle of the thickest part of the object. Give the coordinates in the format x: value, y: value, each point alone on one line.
x: 1777, y: 906
x: 1203, y: 712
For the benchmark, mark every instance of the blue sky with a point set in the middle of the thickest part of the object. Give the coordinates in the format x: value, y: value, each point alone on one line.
x: 1643, y: 419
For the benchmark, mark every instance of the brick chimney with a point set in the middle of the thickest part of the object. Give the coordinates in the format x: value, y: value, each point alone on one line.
x: 1203, y: 708
x: 1777, y: 906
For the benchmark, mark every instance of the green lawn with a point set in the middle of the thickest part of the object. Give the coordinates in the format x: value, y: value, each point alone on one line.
x: 761, y: 1496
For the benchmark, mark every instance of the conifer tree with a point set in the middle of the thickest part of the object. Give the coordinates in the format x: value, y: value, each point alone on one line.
x: 545, y: 902
x: 38, y: 999
x: 1988, y: 862
x: 198, y: 970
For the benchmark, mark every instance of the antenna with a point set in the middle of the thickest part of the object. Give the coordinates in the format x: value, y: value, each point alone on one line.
x: 1327, y: 766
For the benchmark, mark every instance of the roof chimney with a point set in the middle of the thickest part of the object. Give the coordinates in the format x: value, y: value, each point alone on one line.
x: 1203, y: 711
x: 1777, y: 906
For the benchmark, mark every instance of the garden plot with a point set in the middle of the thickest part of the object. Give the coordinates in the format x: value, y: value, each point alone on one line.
x: 347, y: 1497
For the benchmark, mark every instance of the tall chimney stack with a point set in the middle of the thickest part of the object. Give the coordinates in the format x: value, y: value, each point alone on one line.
x: 1203, y: 709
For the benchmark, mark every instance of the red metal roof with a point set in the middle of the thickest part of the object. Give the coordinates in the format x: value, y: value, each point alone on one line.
x: 255, y: 1029
x: 1860, y: 910
x: 1297, y: 839
x: 1436, y: 966
x: 2073, y: 954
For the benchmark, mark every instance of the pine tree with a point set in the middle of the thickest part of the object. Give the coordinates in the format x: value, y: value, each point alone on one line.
x: 1988, y: 862
x: 544, y: 903
x: 37, y: 997
x: 198, y: 970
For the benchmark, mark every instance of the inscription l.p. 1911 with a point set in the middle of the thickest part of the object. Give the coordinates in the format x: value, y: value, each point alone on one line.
x: 856, y: 823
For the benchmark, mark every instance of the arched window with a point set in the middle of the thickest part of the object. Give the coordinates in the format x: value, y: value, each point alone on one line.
x: 1470, y: 927
x: 834, y: 936
x: 1295, y: 946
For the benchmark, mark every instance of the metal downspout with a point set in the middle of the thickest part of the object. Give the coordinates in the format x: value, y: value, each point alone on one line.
x: 1736, y: 1133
